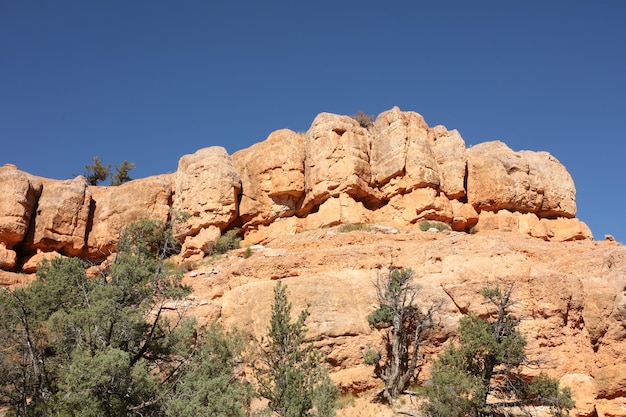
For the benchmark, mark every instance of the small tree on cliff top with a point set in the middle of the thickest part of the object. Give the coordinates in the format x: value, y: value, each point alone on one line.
x: 121, y: 173
x: 97, y: 172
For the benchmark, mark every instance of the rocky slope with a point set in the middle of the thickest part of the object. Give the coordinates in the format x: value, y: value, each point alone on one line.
x: 289, y: 192
x: 571, y: 296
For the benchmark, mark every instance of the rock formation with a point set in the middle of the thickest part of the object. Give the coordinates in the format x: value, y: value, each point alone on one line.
x: 569, y: 295
x: 288, y: 191
x: 398, y: 169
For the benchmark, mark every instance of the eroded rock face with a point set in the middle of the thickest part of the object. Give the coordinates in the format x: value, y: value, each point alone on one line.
x: 272, y: 177
x: 19, y: 192
x: 569, y: 295
x: 8, y: 258
x: 406, y: 154
x: 337, y: 161
x: 117, y: 207
x: 451, y: 156
x: 499, y: 178
x: 396, y: 132
x: 397, y: 170
x: 207, y: 186
x: 62, y: 216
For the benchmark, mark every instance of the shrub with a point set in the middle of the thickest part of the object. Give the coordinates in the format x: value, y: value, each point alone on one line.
x: 97, y: 172
x: 365, y: 120
x: 426, y: 225
x: 353, y: 227
x: 380, y: 318
x: 485, y: 363
x: 247, y: 253
x: 405, y: 324
x: 228, y: 241
x: 121, y: 173
x: 371, y: 357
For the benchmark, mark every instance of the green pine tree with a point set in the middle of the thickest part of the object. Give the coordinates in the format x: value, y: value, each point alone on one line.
x: 100, y: 346
x: 291, y: 373
x: 97, y: 172
x: 212, y: 383
x: 480, y: 376
x: 120, y: 176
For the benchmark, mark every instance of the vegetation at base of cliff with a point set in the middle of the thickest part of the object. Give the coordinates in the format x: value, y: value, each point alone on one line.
x: 291, y: 373
x: 212, y: 382
x: 486, y: 363
x: 404, y: 325
x: 354, y: 227
x: 227, y: 242
x: 118, y: 344
x: 426, y: 225
x: 121, y: 344
x: 97, y: 172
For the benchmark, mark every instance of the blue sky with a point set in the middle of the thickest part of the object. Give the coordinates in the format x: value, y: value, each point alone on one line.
x: 150, y: 81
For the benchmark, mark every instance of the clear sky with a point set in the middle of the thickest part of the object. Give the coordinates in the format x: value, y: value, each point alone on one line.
x: 150, y: 81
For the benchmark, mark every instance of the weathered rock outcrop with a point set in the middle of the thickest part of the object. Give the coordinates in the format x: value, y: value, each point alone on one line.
x: 396, y: 170
x: 336, y: 162
x: 19, y: 192
x: 406, y: 154
x: 62, y: 216
x: 117, y: 207
x: 289, y: 190
x: 272, y: 177
x: 570, y: 296
x: 534, y: 182
x: 207, y: 186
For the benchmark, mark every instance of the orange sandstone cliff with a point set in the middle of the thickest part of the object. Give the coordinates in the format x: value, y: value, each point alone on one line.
x: 289, y: 192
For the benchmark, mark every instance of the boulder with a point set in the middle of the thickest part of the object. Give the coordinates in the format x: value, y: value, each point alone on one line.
x: 272, y: 177
x: 195, y: 247
x: 118, y: 206
x: 30, y: 266
x: 407, y: 154
x: 207, y: 186
x: 584, y: 391
x: 499, y: 178
x: 280, y: 227
x: 19, y: 192
x: 421, y: 204
x: 401, y: 156
x: 13, y: 280
x: 559, y: 192
x: 336, y: 162
x: 8, y: 258
x: 451, y: 156
x: 464, y: 216
x: 62, y: 217
x: 614, y: 407
x: 564, y: 229
x: 338, y: 210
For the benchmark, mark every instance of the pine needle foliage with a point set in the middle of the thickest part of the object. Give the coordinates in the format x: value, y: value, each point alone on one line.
x: 290, y: 372
x: 98, y: 346
x: 480, y: 375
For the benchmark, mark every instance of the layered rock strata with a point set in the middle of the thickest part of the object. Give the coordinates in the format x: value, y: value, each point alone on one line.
x: 398, y: 171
